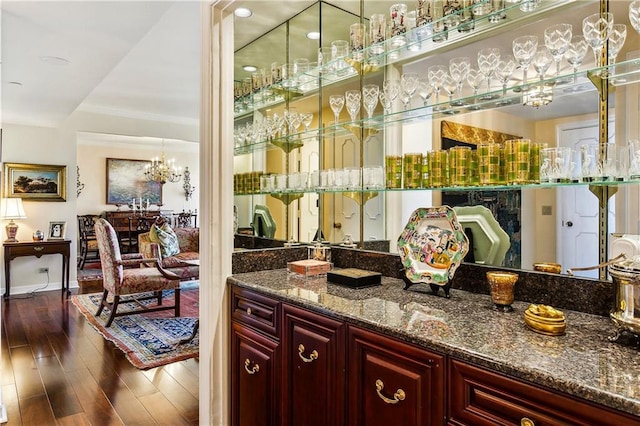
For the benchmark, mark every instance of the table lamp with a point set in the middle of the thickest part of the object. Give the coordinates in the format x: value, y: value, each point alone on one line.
x: 12, y: 209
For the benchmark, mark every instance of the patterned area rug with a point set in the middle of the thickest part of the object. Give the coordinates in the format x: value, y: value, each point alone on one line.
x: 152, y: 339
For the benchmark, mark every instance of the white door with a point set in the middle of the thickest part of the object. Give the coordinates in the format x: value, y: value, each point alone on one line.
x: 577, y: 222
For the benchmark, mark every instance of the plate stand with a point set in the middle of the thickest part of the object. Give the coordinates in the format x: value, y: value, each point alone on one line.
x: 435, y: 288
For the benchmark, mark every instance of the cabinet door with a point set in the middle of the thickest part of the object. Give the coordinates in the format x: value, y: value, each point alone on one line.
x: 393, y: 383
x: 481, y: 397
x: 254, y: 378
x: 313, y: 359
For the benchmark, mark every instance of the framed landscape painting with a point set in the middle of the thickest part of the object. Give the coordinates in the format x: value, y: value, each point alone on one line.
x: 126, y: 182
x: 35, y: 182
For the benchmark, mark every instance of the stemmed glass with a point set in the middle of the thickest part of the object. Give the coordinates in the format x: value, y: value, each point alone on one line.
x: 617, y: 38
x: 596, y: 29
x: 337, y: 103
x: 459, y: 68
x: 557, y: 39
x: 575, y: 54
x: 506, y: 68
x: 385, y: 102
x: 408, y: 85
x: 475, y: 79
x: 524, y: 48
x: 391, y: 89
x: 634, y: 14
x: 306, y: 118
x: 541, y: 62
x: 450, y: 85
x: 370, y: 93
x: 487, y: 62
x: 353, y: 98
x: 425, y: 89
x: 436, y: 74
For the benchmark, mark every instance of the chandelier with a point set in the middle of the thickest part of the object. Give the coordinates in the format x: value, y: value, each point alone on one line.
x: 162, y: 170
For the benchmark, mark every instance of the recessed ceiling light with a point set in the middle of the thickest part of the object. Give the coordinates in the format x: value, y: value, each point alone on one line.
x: 242, y: 12
x: 54, y: 60
x: 249, y: 68
x: 313, y: 35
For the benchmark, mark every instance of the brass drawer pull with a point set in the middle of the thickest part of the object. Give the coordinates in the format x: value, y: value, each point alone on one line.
x: 397, y: 397
x: 248, y: 311
x: 312, y: 357
x: 38, y: 248
x: 255, y: 368
x: 525, y: 421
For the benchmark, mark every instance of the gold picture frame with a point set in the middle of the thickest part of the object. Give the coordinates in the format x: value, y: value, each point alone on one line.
x: 35, y: 182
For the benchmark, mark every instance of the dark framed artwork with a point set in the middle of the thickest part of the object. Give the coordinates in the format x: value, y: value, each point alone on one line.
x: 126, y: 182
x: 35, y: 182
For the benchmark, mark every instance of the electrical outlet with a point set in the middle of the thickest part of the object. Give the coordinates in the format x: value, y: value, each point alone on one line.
x: 43, y: 270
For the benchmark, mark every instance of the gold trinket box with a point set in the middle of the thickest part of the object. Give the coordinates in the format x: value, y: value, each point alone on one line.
x: 546, y: 320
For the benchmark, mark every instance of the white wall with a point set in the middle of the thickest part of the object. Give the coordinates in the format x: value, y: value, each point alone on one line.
x: 41, y: 145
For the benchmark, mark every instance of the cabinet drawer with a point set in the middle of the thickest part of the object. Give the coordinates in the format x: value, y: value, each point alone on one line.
x: 255, y: 310
x: 481, y: 397
x: 35, y: 250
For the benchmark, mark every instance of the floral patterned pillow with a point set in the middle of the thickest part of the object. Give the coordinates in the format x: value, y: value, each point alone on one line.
x: 166, y: 239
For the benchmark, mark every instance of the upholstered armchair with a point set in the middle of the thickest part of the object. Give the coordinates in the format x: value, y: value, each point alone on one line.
x: 121, y: 277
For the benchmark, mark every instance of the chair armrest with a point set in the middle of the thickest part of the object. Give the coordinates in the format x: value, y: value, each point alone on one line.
x: 166, y: 273
x: 137, y: 261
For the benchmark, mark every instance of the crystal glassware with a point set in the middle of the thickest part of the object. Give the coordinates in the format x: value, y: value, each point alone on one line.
x: 385, y: 102
x: 357, y: 33
x: 425, y: 90
x: 634, y: 15
x: 617, y: 38
x: 459, y: 68
x: 488, y: 59
x: 541, y: 62
x: 450, y: 85
x: 524, y: 48
x: 556, y: 39
x: 504, y: 71
x: 575, y: 54
x: 408, y: 86
x: 377, y: 33
x: 370, y: 94
x: 436, y: 74
x: 353, y: 99
x: 306, y: 118
x: 596, y: 29
x: 397, y: 13
x: 391, y: 88
x: 475, y: 79
x: 336, y: 102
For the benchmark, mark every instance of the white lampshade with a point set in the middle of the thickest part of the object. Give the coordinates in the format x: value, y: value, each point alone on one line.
x: 12, y: 209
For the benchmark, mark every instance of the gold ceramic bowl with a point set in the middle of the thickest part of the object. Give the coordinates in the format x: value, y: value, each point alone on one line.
x: 553, y: 268
x: 545, y: 320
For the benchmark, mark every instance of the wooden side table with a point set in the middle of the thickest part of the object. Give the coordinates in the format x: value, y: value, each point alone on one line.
x: 37, y: 249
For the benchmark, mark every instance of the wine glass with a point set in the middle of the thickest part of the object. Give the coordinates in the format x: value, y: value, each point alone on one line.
x: 504, y: 72
x: 353, y: 99
x: 475, y: 79
x: 524, y: 48
x: 634, y: 15
x: 541, y: 62
x: 575, y: 54
x: 450, y: 85
x: 617, y: 38
x: 459, y: 68
x: 306, y: 118
x: 436, y: 74
x: 557, y: 39
x: 391, y: 88
x: 370, y: 93
x: 408, y: 85
x: 596, y: 29
x: 385, y: 101
x: 337, y: 103
x: 425, y: 89
x: 487, y: 62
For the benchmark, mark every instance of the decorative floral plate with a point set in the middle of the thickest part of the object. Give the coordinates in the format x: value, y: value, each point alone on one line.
x: 432, y: 245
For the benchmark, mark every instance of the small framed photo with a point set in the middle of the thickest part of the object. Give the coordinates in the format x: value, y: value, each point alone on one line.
x: 57, y: 230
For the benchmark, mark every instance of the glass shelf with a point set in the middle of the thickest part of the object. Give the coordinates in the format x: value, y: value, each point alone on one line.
x: 350, y: 191
x: 418, y: 42
x: 620, y: 74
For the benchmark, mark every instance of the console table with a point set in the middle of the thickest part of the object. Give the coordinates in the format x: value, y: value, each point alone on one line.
x: 37, y: 249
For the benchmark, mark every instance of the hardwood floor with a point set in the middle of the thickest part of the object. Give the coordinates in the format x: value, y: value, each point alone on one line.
x: 57, y: 370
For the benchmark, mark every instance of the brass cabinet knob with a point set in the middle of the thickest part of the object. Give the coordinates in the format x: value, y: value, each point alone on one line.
x: 312, y: 357
x: 248, y: 311
x: 253, y: 370
x: 526, y: 421
x: 398, y: 396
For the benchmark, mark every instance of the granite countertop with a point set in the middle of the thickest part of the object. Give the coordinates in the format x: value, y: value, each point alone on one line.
x: 582, y: 362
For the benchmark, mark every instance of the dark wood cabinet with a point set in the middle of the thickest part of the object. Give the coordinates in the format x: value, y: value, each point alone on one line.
x: 481, y: 397
x: 393, y: 383
x: 313, y: 364
x: 255, y: 377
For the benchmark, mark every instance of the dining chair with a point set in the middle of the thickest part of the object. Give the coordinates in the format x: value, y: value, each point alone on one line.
x: 87, y: 236
x: 136, y: 225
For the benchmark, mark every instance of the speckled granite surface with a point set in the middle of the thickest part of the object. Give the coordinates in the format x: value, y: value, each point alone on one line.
x: 581, y: 363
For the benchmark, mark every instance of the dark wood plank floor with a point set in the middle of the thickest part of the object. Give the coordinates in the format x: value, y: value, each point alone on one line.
x: 56, y: 369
